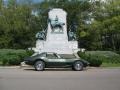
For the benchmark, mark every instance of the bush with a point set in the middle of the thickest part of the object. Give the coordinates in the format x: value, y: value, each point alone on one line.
x: 96, y: 58
x: 12, y: 57
x: 93, y: 60
x: 4, y: 61
x: 118, y: 52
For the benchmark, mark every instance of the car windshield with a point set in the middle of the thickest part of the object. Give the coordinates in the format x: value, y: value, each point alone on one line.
x: 41, y: 54
x: 34, y: 54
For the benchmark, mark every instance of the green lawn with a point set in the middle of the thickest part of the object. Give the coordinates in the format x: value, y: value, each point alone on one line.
x: 110, y: 65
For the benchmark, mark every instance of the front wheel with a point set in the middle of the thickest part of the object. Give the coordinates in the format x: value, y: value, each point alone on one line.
x: 39, y: 66
x: 78, y: 66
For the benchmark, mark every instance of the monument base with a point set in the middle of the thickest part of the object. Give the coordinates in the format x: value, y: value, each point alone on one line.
x: 56, y: 46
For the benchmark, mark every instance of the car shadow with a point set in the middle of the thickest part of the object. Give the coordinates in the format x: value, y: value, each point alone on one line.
x: 54, y: 69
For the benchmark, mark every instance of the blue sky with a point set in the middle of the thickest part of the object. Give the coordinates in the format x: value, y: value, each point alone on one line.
x: 35, y: 1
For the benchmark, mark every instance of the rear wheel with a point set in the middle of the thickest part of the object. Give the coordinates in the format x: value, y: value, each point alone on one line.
x: 78, y: 66
x: 39, y: 65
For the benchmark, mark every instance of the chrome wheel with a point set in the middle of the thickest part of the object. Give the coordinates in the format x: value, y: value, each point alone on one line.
x: 78, y: 66
x: 39, y: 66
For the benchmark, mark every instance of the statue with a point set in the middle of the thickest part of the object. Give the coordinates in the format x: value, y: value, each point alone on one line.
x: 56, y: 25
x: 71, y: 35
x: 41, y: 35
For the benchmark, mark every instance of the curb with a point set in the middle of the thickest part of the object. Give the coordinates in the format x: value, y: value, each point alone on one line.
x: 23, y: 66
x: 9, y: 67
x: 103, y: 67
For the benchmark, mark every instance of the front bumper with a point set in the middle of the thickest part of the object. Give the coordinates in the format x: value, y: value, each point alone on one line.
x: 28, y: 62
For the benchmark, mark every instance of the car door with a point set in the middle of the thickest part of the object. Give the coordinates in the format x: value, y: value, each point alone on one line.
x: 54, y: 60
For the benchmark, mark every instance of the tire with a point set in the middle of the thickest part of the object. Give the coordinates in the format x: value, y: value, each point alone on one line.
x: 78, y: 66
x: 39, y: 65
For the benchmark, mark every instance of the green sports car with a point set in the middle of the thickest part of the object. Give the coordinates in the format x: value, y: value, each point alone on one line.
x: 54, y: 60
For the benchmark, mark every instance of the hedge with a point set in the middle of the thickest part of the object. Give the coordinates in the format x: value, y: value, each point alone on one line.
x: 96, y: 58
x: 12, y: 56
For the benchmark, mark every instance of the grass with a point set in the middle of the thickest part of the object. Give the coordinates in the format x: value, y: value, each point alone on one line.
x: 110, y: 65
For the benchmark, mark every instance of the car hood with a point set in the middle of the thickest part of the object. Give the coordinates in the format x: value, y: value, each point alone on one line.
x: 28, y: 58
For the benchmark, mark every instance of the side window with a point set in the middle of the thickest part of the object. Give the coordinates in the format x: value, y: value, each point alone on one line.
x: 51, y: 56
x: 42, y: 55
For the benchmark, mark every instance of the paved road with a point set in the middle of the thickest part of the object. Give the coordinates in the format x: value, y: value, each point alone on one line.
x: 28, y: 79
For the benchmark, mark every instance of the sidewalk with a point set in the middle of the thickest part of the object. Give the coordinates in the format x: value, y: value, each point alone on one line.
x: 22, y: 65
x: 9, y: 67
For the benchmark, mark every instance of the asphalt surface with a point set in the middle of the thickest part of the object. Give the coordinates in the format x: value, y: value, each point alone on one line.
x: 59, y: 79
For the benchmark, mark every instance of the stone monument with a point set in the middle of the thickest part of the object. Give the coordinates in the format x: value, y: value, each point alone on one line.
x: 55, y: 38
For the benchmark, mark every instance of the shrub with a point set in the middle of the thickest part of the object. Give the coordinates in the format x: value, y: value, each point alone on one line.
x: 29, y: 52
x: 118, y: 52
x: 93, y: 60
x: 96, y: 58
x: 4, y: 61
x: 14, y: 60
x: 12, y: 57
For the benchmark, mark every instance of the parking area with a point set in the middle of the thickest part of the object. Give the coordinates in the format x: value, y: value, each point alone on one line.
x: 59, y: 79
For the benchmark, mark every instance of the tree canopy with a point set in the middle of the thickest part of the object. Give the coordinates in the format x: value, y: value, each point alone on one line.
x: 96, y: 24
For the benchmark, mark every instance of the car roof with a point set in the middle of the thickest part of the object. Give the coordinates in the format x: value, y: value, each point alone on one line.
x: 49, y: 52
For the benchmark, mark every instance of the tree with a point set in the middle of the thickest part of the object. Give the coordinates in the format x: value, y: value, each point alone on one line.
x: 16, y: 26
x: 107, y: 22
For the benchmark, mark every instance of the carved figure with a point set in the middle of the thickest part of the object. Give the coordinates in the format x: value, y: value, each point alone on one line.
x: 56, y: 25
x: 41, y: 35
x: 71, y: 35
